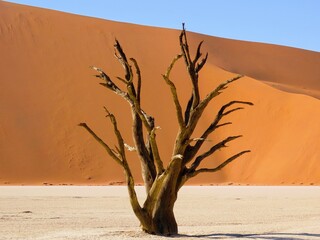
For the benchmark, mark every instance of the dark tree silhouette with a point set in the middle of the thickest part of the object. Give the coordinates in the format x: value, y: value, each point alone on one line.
x: 162, y: 183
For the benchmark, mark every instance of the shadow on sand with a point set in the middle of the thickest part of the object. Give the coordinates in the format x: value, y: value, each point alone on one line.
x: 275, y: 236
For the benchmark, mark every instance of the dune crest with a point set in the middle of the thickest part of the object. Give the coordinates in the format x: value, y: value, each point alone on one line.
x: 47, y: 88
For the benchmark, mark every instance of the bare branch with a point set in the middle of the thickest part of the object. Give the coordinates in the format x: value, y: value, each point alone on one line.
x: 144, y: 152
x: 111, y: 85
x: 195, y: 97
x: 122, y: 162
x: 222, y: 165
x: 216, y: 92
x: 169, y: 69
x: 198, y: 54
x: 140, y: 117
x: 129, y: 178
x: 224, y: 107
x: 117, y: 133
x: 193, y: 69
x: 232, y: 110
x: 213, y: 126
x: 222, y: 124
x: 173, y: 89
x: 138, y: 72
x: 155, y: 152
x: 184, y: 46
x: 196, y: 113
x: 188, y: 110
x: 132, y: 95
x: 122, y: 80
x: 121, y: 56
x: 212, y: 150
x: 201, y: 64
x: 103, y: 144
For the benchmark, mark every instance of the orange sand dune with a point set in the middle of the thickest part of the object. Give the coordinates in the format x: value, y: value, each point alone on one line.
x: 47, y: 89
x: 286, y: 68
x: 290, y: 69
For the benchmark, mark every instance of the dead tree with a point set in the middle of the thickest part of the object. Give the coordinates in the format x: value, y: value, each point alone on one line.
x: 162, y: 183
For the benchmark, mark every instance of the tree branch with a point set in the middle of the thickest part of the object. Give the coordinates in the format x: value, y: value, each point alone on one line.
x: 144, y: 152
x: 121, y: 145
x: 212, y: 150
x: 192, y: 151
x: 155, y: 152
x: 103, y: 144
x: 129, y: 178
x: 140, y: 118
x: 121, y: 56
x: 111, y: 85
x: 173, y: 89
x: 151, y: 157
x: 133, y: 95
x: 193, y: 69
x: 198, y: 54
x: 195, y: 97
x: 204, y: 103
x: 222, y: 165
x: 138, y: 73
x: 195, y: 114
x: 201, y: 64
x: 188, y: 110
x: 122, y: 161
x: 184, y: 46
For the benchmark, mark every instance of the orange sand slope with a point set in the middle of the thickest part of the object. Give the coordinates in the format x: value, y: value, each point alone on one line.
x: 47, y: 89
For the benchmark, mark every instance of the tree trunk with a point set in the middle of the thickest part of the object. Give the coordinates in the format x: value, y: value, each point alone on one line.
x: 159, y: 207
x: 164, y: 222
x: 161, y: 221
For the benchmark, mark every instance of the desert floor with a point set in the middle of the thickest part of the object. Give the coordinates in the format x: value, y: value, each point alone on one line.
x: 217, y: 212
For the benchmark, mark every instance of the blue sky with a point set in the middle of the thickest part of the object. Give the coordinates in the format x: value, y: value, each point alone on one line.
x: 293, y: 23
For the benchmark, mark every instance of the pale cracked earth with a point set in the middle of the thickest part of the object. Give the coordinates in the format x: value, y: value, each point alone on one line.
x: 216, y: 212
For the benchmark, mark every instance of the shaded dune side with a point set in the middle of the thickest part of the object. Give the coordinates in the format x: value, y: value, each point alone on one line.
x: 47, y: 89
x: 288, y: 69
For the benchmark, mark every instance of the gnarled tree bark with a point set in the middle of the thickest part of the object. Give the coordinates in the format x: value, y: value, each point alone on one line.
x: 162, y: 184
